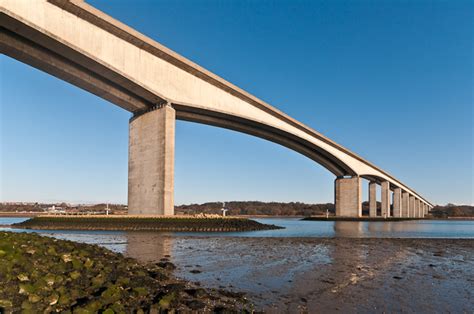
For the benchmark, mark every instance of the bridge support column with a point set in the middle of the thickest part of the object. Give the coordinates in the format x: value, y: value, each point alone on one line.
x: 397, y: 202
x: 411, y: 207
x: 348, y: 197
x: 417, y: 208
x: 385, y: 199
x: 372, y: 199
x: 405, y: 203
x: 151, y: 162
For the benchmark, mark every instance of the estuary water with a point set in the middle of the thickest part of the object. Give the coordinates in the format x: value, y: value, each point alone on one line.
x: 295, y: 227
x: 310, y: 266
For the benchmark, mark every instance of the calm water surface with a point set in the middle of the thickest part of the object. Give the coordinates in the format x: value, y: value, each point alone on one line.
x: 294, y: 227
x: 142, y: 245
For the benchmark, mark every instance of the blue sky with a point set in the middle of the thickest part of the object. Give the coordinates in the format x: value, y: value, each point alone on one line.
x: 390, y: 80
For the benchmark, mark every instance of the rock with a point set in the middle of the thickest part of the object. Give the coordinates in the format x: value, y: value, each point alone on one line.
x: 62, y: 276
x: 195, y: 305
x: 166, y: 265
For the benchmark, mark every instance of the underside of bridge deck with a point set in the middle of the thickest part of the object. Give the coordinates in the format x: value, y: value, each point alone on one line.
x: 89, y: 49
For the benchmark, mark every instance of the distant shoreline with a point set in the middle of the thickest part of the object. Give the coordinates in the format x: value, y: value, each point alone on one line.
x: 19, y: 214
x: 334, y: 218
x: 319, y: 217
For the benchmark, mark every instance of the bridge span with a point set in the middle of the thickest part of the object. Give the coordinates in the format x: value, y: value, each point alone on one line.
x: 87, y: 48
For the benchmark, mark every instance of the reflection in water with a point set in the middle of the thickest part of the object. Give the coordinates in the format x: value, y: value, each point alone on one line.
x: 380, y: 227
x: 347, y: 229
x: 148, y: 246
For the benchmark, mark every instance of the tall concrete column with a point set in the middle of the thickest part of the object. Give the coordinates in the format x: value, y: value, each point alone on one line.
x: 372, y: 199
x: 151, y: 162
x: 397, y: 202
x: 348, y: 197
x: 420, y: 214
x: 385, y: 199
x: 405, y: 204
x: 417, y: 208
x: 411, y: 207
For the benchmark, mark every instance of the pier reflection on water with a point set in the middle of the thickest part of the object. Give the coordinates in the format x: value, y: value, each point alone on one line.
x: 148, y: 247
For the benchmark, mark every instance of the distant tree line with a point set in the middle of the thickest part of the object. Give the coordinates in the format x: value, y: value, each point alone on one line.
x: 452, y: 210
x: 257, y: 208
x: 236, y: 208
x: 41, y: 207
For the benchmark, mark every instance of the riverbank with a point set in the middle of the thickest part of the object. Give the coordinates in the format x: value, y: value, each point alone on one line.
x: 43, y: 274
x: 334, y: 218
x: 144, y: 223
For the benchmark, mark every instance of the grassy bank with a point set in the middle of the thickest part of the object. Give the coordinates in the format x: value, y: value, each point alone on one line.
x: 131, y: 223
x: 41, y: 274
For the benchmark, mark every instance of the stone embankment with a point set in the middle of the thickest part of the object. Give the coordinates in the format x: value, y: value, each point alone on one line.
x: 144, y: 223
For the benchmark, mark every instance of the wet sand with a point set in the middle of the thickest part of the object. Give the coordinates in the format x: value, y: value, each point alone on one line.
x: 326, y: 275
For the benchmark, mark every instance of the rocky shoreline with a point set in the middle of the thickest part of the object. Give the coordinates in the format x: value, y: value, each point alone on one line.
x: 43, y: 274
x: 136, y: 223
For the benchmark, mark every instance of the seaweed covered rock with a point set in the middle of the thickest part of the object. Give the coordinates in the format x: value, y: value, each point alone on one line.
x: 42, y: 274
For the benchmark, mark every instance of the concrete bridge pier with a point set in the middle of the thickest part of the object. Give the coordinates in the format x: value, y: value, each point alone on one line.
x: 420, y: 209
x: 385, y: 199
x: 415, y: 208
x: 397, y: 202
x: 405, y: 203
x: 348, y: 197
x: 411, y: 207
x: 372, y: 199
x: 151, y: 162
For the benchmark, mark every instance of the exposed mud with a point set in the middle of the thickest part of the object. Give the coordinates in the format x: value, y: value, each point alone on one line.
x: 330, y: 275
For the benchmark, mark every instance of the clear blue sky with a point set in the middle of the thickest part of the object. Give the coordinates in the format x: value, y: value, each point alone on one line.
x: 390, y: 80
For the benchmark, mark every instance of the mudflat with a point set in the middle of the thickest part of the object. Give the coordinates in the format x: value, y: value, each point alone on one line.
x: 323, y: 275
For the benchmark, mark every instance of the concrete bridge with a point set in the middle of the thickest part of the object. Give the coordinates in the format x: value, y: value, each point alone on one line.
x: 87, y: 48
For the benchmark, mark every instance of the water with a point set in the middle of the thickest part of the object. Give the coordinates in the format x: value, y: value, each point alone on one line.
x: 11, y: 220
x: 309, y: 259
x: 294, y: 227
